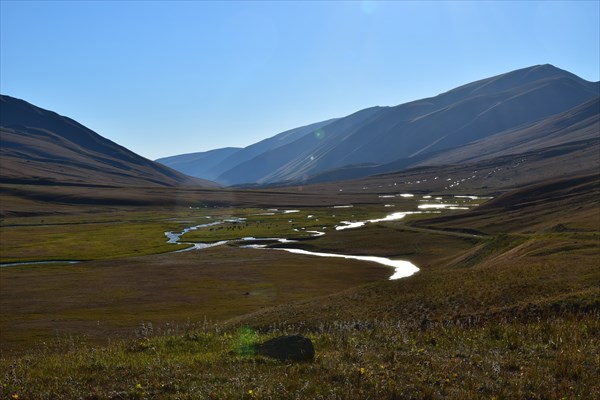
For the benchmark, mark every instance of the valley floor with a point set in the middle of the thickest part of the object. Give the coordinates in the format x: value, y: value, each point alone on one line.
x: 506, y: 303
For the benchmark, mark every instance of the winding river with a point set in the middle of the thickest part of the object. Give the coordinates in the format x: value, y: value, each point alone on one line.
x: 16, y: 264
x: 402, y: 268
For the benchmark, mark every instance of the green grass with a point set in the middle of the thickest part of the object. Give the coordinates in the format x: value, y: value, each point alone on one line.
x: 130, y: 232
x: 95, y: 236
x: 260, y: 224
x: 553, y: 358
x: 124, y: 234
x: 84, y: 242
x: 103, y: 236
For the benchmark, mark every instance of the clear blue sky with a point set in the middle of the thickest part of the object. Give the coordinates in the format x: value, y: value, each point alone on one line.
x: 165, y: 78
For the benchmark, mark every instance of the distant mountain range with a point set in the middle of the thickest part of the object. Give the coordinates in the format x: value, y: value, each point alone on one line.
x: 211, y: 164
x: 38, y: 146
x: 522, y: 110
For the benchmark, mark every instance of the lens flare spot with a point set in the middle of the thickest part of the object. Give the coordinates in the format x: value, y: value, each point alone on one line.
x: 319, y: 134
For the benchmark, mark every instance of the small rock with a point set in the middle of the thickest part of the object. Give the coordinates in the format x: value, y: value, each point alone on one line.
x: 288, y: 348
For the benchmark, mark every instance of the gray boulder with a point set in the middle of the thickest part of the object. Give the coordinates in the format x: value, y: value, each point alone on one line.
x: 287, y: 348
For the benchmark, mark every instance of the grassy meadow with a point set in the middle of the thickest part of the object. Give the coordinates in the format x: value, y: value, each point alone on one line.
x: 549, y: 358
x: 498, y: 310
x: 129, y: 273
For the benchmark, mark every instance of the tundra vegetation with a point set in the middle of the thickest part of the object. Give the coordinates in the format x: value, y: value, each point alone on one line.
x: 499, y: 308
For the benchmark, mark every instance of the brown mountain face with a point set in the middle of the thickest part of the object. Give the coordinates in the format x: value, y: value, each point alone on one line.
x: 517, y: 109
x: 38, y: 146
x: 549, y: 143
x: 581, y: 123
x: 409, y: 132
x: 210, y: 164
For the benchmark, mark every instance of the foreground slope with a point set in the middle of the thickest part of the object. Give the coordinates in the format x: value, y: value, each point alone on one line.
x: 41, y: 147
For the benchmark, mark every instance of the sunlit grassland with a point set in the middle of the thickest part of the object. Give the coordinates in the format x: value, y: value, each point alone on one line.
x: 87, y: 238
x: 551, y: 358
x: 131, y: 232
x: 84, y: 242
x: 134, y: 233
x: 393, y: 239
x: 296, y: 223
x: 287, y: 223
x: 96, y: 236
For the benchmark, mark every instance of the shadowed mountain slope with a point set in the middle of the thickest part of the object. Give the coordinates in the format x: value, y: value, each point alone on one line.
x: 512, y: 104
x: 40, y: 146
x: 295, y: 158
x: 550, y: 137
x: 579, y: 123
x: 269, y: 144
x: 211, y: 164
x: 199, y: 164
x: 450, y: 120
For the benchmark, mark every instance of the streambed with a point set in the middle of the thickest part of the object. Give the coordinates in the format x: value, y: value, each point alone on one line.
x: 402, y: 268
x: 16, y: 264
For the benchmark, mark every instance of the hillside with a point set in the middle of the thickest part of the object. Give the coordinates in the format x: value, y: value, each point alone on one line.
x: 545, y: 143
x: 211, y: 164
x: 577, y: 124
x: 293, y: 157
x: 199, y: 164
x: 449, y: 120
x: 41, y: 147
x: 521, y: 110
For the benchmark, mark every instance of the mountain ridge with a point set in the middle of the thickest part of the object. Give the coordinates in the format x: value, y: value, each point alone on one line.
x: 211, y: 164
x: 42, y: 146
x: 411, y: 132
